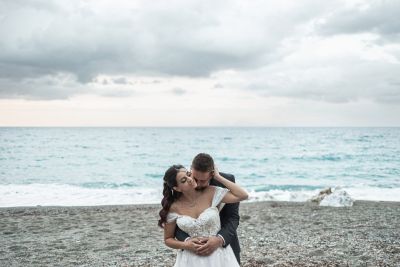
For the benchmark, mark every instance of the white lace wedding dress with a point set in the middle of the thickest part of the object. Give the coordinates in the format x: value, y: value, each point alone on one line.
x: 207, y: 224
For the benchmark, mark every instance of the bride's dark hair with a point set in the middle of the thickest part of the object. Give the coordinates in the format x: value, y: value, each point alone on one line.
x: 170, y: 195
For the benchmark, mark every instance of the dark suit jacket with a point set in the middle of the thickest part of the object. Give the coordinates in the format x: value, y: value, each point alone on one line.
x: 229, y: 216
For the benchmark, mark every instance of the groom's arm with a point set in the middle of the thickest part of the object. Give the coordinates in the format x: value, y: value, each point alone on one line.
x: 229, y: 217
x: 180, y: 235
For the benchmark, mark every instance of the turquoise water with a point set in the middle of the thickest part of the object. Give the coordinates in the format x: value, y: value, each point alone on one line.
x: 95, y: 166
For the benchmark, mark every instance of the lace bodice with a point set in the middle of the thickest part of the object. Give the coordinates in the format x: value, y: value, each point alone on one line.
x: 208, y: 222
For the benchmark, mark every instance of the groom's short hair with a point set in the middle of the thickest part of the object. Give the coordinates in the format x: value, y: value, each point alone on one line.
x: 203, y: 162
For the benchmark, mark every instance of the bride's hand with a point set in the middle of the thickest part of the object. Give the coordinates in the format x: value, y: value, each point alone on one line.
x: 216, y: 173
x: 192, y: 244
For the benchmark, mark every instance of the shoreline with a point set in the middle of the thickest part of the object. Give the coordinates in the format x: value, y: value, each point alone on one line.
x: 271, y: 233
x: 23, y: 195
x: 156, y: 204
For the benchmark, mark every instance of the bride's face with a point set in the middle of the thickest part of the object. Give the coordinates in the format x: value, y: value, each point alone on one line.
x: 184, y: 180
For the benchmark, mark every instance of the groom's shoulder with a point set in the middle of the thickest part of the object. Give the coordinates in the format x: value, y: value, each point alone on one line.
x: 228, y: 176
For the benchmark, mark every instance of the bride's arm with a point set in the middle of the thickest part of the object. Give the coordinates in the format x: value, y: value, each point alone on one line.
x: 170, y: 241
x: 235, y: 194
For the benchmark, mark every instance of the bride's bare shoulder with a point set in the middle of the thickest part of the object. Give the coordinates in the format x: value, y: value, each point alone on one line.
x: 210, y: 189
x: 174, y: 207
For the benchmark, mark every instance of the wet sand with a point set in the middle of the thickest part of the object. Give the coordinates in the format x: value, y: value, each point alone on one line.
x: 270, y: 233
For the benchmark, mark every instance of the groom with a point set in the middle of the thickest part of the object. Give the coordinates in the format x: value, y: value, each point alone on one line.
x: 202, y: 172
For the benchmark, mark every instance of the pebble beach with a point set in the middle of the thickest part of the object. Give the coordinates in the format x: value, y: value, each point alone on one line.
x: 270, y: 233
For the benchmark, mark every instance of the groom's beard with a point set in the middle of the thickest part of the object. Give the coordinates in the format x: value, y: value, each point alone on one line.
x: 201, y: 187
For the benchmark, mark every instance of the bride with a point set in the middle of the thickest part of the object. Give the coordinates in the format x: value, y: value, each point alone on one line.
x: 197, y: 213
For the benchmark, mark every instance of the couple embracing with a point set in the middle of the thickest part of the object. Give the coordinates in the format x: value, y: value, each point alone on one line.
x: 200, y: 214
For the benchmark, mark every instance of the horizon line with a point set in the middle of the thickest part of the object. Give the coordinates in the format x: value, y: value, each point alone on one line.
x: 203, y: 126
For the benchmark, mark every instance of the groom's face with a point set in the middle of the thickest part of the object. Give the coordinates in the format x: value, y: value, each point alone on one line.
x: 202, y: 178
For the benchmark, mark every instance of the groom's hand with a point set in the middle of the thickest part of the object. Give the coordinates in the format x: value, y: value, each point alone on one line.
x: 212, y: 243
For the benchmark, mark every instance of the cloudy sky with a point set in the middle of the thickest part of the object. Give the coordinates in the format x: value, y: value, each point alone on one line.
x: 199, y: 63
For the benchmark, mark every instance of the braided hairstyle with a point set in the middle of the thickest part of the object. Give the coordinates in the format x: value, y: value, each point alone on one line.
x: 170, y: 195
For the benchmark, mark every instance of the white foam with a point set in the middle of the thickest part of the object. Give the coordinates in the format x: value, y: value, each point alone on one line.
x: 281, y: 195
x: 356, y: 193
x: 374, y: 193
x: 67, y: 195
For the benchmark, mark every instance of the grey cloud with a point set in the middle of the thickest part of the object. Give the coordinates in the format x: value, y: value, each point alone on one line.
x: 43, y: 88
x: 178, y: 91
x: 380, y: 17
x: 115, y: 93
x: 120, y: 80
x: 389, y: 99
x: 186, y: 39
x: 38, y: 5
x: 58, y: 48
x: 336, y: 83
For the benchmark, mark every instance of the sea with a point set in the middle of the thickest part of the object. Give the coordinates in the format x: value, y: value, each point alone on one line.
x: 83, y: 166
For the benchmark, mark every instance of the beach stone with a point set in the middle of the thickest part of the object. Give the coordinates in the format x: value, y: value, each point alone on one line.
x: 17, y: 248
x: 318, y: 252
x: 339, y: 198
x: 365, y: 257
x: 245, y: 217
x: 321, y: 195
x: 142, y: 251
x: 8, y: 233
